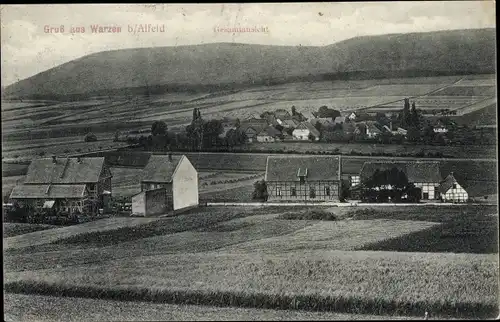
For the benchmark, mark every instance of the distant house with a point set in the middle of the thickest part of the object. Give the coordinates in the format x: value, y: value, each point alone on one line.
x: 308, y: 115
x: 397, y: 131
x: 286, y: 136
x: 423, y: 174
x: 359, y: 116
x: 372, y: 131
x: 71, y: 184
x: 269, y: 134
x: 289, y: 124
x: 251, y: 131
x: 440, y: 127
x: 282, y: 114
x: 271, y: 120
x: 451, y: 190
x: 175, y: 178
x: 304, y: 130
x: 324, y: 121
x: 339, y: 120
x: 303, y: 178
x: 352, y: 116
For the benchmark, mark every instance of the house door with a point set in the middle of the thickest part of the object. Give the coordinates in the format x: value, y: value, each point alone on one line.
x: 426, y: 195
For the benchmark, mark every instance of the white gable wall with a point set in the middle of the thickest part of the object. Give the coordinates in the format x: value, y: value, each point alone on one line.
x: 301, y: 134
x: 185, y: 185
x: 458, y: 194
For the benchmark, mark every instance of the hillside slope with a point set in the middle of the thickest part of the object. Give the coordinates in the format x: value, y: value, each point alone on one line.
x: 164, y: 69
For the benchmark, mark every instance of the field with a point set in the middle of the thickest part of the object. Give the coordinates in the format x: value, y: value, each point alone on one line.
x: 34, y: 307
x: 21, y: 122
x: 250, y: 258
x: 14, y: 229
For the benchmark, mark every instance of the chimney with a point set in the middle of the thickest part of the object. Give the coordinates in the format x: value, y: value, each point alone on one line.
x: 170, y: 157
x: 54, y: 160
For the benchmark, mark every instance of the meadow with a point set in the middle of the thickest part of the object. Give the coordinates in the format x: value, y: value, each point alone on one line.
x: 34, y: 307
x: 249, y: 257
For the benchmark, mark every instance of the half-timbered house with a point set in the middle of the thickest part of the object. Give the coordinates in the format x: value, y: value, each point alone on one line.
x: 303, y: 178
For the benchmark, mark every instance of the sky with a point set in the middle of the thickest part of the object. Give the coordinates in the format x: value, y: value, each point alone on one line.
x: 29, y: 47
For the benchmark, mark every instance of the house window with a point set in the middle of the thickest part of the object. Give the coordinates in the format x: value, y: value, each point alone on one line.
x: 312, y: 192
x: 327, y: 191
x: 354, y: 180
x: 454, y: 186
x: 293, y: 192
x: 302, y: 179
x: 426, y: 195
x: 278, y: 191
x: 91, y: 186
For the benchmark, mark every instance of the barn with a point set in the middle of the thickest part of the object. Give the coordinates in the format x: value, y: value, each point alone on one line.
x: 451, y: 191
x: 65, y: 184
x: 303, y: 178
x: 425, y: 175
x: 169, y: 183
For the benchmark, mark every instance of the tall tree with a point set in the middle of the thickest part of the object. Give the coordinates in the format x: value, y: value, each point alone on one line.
x: 158, y: 128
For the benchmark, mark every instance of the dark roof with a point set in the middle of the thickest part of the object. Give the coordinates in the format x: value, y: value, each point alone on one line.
x: 270, y: 131
x: 447, y: 183
x: 287, y: 168
x: 160, y: 168
x: 38, y: 191
x: 416, y: 171
x: 65, y: 170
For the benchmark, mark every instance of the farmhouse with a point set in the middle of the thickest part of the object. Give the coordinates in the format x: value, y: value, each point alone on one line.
x: 304, y: 130
x: 289, y: 124
x: 371, y: 130
x: 339, y: 120
x: 303, y: 178
x: 282, y: 114
x: 324, y: 121
x: 269, y: 134
x: 174, y: 184
x: 440, y: 127
x: 423, y: 174
x: 451, y: 190
x: 251, y: 131
x: 71, y: 184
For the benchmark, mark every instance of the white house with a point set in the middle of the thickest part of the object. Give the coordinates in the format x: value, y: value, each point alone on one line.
x: 352, y: 116
x: 440, y: 127
x: 176, y: 177
x: 303, y: 130
x: 372, y: 131
x: 451, y: 190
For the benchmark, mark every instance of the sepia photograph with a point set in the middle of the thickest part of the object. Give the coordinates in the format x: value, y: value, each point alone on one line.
x: 250, y: 161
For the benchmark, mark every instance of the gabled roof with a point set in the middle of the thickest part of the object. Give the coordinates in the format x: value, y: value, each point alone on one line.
x: 287, y: 168
x: 269, y: 131
x: 447, y: 183
x: 372, y: 127
x: 39, y: 191
x: 416, y: 171
x: 308, y: 126
x: 65, y: 170
x: 323, y: 120
x: 290, y: 123
x: 160, y: 168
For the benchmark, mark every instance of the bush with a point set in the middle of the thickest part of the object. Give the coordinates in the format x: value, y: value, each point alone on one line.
x: 90, y: 137
x: 311, y: 214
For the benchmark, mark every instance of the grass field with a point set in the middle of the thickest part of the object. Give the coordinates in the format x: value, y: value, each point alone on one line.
x: 250, y: 258
x: 14, y: 229
x: 20, y: 307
